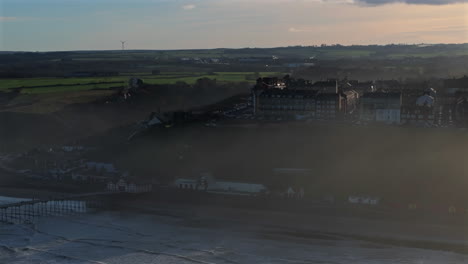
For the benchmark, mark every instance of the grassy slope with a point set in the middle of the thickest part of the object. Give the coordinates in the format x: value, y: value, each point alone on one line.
x: 52, y: 94
x: 53, y: 85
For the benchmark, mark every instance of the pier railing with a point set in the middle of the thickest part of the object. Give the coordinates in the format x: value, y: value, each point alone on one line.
x: 30, y: 211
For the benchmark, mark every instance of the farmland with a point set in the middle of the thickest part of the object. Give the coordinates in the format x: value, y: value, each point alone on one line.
x: 321, y: 52
x: 79, y: 89
x: 54, y: 85
x: 51, y: 94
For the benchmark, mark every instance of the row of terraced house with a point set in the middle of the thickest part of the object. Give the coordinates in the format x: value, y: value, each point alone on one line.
x: 389, y: 102
x: 321, y: 100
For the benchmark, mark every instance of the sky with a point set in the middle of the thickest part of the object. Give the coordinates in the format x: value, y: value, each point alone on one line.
x: 49, y: 25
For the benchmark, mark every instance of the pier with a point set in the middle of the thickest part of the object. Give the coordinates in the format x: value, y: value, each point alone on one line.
x: 30, y: 211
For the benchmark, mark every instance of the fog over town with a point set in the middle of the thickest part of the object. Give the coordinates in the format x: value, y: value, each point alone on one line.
x: 153, y: 131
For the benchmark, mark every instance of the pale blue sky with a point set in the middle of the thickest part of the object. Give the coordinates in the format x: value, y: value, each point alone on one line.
x: 42, y: 25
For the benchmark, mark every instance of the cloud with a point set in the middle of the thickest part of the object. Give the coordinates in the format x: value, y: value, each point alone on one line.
x: 188, y: 7
x: 413, y: 2
x: 295, y: 30
x: 4, y: 19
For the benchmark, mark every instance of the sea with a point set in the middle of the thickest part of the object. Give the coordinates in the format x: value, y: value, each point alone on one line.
x: 165, y: 238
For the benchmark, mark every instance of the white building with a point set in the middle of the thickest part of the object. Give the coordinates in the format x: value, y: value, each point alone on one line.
x: 388, y: 116
x: 182, y: 183
x: 381, y: 107
x: 224, y: 187
x: 367, y: 200
x: 123, y: 186
x: 236, y: 188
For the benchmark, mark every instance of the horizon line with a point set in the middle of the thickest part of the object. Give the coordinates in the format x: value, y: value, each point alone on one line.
x: 225, y: 48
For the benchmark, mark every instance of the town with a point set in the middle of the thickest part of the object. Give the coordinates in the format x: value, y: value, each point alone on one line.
x: 441, y: 103
x: 232, y: 132
x: 273, y: 101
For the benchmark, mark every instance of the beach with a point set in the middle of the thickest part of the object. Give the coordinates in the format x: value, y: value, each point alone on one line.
x: 187, y: 234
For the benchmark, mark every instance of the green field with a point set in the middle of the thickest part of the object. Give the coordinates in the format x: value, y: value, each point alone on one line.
x: 428, y: 54
x: 28, y: 82
x: 326, y: 52
x: 53, y: 85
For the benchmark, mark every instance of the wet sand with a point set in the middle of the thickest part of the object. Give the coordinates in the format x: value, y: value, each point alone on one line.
x: 175, y: 235
x: 146, y: 230
x: 301, y: 225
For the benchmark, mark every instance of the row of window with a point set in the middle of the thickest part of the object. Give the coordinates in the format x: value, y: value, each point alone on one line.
x: 284, y: 114
x: 416, y: 112
x: 282, y: 101
x: 417, y: 116
x: 327, y: 102
x: 286, y: 101
x: 284, y: 96
x: 291, y: 107
x: 286, y: 107
x: 327, y: 106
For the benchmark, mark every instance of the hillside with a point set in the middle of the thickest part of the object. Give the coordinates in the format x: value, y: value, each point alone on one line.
x: 390, y: 162
x: 28, y: 122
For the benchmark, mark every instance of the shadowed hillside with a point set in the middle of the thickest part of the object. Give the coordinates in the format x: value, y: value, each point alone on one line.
x: 385, y: 161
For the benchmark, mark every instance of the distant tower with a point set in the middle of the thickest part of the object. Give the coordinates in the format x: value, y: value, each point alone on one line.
x: 123, y: 44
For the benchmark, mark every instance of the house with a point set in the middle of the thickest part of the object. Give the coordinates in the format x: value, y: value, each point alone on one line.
x: 286, y: 103
x: 354, y: 199
x: 330, y: 106
x: 420, y: 113
x: 367, y: 200
x: 111, y: 186
x: 93, y: 172
x: 290, y: 192
x: 72, y: 148
x: 352, y: 101
x: 381, y: 107
x: 90, y: 176
x: 299, y: 99
x: 121, y: 185
x: 297, y: 104
x: 328, y: 86
x: 190, y: 184
x: 360, y: 87
x: 298, y: 193
x: 237, y: 188
x: 221, y: 187
x: 131, y: 187
x: 450, y: 101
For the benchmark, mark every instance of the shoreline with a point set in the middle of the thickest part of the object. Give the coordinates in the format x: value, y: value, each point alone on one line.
x: 210, y: 234
x: 287, y: 222
x: 129, y: 237
x: 296, y: 225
